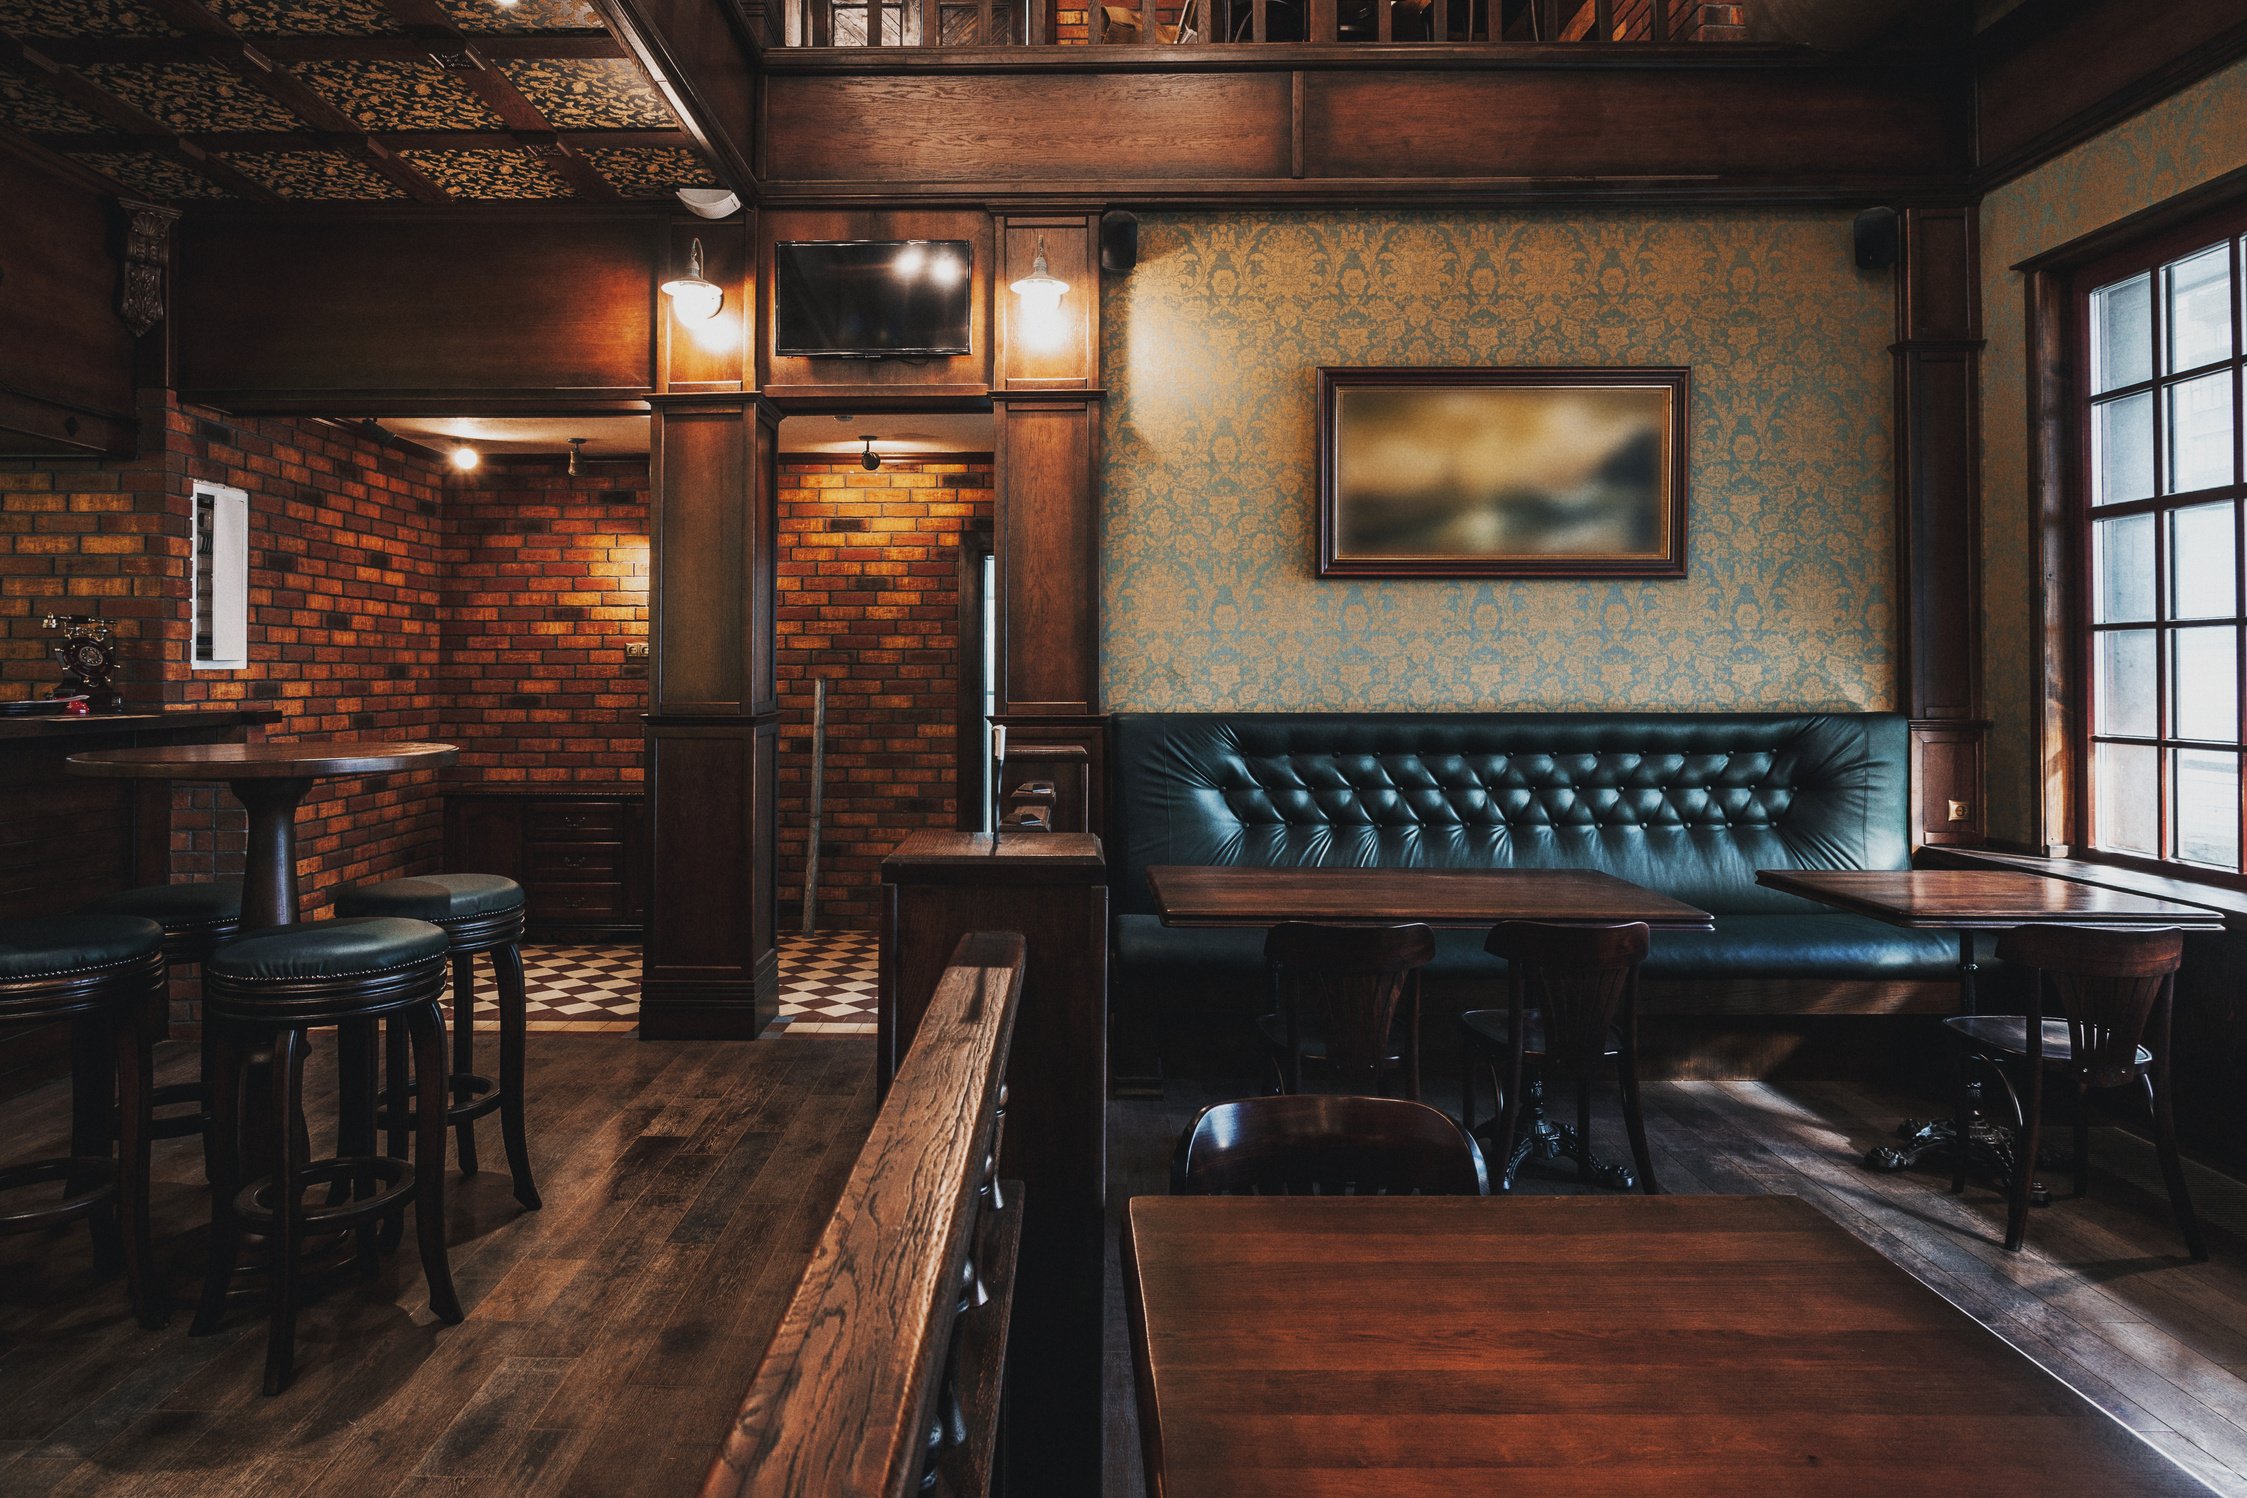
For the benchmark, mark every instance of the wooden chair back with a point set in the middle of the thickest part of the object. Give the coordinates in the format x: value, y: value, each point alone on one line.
x: 1322, y: 1145
x: 1347, y: 982
x: 1581, y: 980
x: 2110, y: 984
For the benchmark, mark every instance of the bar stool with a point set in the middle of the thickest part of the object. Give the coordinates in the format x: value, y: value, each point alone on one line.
x: 197, y: 918
x: 479, y: 913
x: 264, y: 992
x: 105, y: 974
x: 2114, y: 986
x: 1572, y: 1007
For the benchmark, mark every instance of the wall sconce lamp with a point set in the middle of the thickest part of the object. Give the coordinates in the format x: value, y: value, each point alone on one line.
x: 869, y: 459
x: 696, y: 297
x: 1041, y: 291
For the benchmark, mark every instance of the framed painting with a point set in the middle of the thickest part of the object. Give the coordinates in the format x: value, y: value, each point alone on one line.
x: 1502, y: 472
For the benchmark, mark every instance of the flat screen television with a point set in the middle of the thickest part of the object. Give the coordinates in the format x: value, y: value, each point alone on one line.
x: 872, y: 299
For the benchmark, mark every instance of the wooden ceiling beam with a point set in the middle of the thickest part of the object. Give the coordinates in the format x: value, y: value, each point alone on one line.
x: 218, y: 43
x: 701, y: 58
x: 533, y: 130
x: 131, y: 50
x: 149, y: 133
x: 230, y: 141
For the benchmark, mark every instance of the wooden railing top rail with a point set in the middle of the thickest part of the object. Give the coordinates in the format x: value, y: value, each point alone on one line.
x: 840, y: 1403
x: 1037, y: 23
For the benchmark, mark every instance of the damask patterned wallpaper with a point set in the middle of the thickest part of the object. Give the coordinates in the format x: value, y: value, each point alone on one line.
x: 2187, y: 139
x: 1210, y: 598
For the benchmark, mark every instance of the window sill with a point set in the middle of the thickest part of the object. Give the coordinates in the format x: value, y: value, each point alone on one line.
x: 2231, y: 902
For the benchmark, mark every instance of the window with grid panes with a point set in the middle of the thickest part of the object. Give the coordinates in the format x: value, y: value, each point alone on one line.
x: 2163, y: 481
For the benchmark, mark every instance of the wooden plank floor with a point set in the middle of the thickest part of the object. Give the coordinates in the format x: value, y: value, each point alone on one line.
x: 2103, y: 1294
x: 609, y: 1336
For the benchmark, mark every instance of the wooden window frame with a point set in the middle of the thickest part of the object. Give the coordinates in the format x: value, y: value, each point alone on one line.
x: 2058, y: 286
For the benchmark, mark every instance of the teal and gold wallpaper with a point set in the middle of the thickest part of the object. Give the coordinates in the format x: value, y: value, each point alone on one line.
x: 2186, y: 139
x: 1209, y: 495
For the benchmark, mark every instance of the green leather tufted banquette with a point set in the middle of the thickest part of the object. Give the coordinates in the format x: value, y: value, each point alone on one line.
x: 1690, y: 804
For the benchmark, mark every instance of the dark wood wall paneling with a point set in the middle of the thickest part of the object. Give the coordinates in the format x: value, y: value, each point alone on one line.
x: 884, y: 381
x: 66, y: 357
x: 1203, y: 128
x: 2051, y: 75
x: 1938, y: 527
x: 342, y: 312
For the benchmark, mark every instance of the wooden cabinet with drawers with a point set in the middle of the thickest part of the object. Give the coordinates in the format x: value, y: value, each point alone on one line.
x: 578, y: 854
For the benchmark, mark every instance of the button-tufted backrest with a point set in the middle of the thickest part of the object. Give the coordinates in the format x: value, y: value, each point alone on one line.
x: 1691, y: 804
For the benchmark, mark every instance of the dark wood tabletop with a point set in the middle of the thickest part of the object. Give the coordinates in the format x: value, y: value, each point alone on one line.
x: 1576, y: 1346
x: 1196, y: 895
x: 1981, y: 899
x: 310, y: 759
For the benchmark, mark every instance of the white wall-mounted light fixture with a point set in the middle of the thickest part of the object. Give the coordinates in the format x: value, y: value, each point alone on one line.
x: 696, y: 297
x: 465, y: 458
x: 710, y: 202
x: 219, y: 579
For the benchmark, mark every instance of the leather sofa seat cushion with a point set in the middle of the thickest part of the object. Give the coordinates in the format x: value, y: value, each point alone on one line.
x: 343, y: 948
x: 433, y: 897
x: 1832, y: 946
x: 53, y: 946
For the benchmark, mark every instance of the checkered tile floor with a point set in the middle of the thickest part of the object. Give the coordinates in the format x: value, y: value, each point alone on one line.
x: 827, y: 983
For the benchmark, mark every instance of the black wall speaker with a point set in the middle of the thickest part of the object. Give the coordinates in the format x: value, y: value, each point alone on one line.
x: 1875, y: 232
x: 1119, y: 241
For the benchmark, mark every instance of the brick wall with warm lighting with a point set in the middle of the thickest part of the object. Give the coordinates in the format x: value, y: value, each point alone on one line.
x: 544, y: 583
x: 869, y: 567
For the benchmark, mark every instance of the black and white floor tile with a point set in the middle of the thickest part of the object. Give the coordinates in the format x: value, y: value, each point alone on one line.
x: 827, y: 986
x: 827, y: 982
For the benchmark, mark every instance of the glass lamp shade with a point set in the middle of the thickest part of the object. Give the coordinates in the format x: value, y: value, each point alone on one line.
x: 696, y: 298
x: 1041, y: 291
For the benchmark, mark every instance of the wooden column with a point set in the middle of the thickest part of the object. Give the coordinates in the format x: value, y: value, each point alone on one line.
x: 1052, y: 889
x: 1938, y: 523
x: 1047, y: 399
x: 709, y: 969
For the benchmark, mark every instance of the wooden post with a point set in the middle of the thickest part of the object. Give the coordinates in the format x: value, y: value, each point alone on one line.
x: 818, y: 797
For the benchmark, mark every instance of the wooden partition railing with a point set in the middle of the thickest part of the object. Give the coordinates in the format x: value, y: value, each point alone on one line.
x: 884, y: 1377
x: 1001, y: 23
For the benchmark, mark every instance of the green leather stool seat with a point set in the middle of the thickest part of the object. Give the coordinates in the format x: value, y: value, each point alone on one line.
x: 315, y: 950
x: 481, y: 915
x: 433, y: 897
x: 217, y: 902
x: 60, y: 945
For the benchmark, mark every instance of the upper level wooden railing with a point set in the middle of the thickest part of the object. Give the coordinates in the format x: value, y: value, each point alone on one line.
x: 1002, y: 23
x: 886, y: 1365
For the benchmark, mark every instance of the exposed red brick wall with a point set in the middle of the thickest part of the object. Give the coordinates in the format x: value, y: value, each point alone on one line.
x: 544, y: 582
x: 869, y: 599
x: 344, y: 548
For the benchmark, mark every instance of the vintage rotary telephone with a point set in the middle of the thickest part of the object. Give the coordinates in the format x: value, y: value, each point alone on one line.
x: 87, y: 653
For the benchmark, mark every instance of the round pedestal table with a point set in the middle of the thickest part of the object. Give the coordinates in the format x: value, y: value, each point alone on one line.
x: 271, y: 781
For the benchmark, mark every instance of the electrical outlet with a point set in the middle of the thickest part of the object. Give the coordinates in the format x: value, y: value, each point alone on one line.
x: 637, y: 650
x: 1959, y: 810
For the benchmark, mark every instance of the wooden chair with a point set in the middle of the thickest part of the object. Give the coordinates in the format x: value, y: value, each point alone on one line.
x: 1572, y: 1008
x: 1336, y: 993
x: 2113, y: 986
x: 1320, y: 1145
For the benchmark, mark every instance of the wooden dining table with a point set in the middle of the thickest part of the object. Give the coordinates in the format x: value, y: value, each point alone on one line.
x: 1477, y: 899
x: 271, y: 781
x: 1580, y: 1347
x: 1967, y: 901
x: 1236, y: 895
